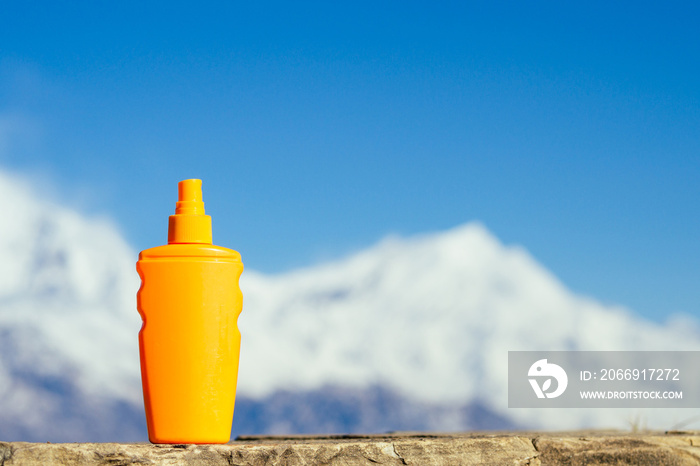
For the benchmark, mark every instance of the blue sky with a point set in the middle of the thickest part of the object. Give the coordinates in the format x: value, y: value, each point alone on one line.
x: 318, y: 128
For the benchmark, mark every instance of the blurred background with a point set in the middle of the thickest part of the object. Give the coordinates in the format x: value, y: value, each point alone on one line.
x: 416, y: 189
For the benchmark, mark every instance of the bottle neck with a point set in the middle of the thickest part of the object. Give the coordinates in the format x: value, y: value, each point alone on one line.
x: 189, y: 229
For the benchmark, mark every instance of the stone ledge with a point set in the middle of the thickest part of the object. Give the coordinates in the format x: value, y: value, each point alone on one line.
x: 533, y: 448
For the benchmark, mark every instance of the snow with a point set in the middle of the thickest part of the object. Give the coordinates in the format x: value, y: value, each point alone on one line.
x: 431, y: 317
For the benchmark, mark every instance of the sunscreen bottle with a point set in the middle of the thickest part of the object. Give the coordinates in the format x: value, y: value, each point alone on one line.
x: 189, y: 342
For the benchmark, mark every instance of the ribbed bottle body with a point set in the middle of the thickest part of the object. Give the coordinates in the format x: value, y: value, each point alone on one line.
x: 189, y: 343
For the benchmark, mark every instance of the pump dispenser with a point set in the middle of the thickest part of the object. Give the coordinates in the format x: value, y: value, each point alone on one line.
x: 189, y: 342
x: 189, y: 224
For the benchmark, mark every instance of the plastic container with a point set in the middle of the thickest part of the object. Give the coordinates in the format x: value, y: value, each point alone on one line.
x: 189, y: 342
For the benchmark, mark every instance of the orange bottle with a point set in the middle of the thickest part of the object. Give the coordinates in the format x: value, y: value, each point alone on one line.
x: 189, y: 301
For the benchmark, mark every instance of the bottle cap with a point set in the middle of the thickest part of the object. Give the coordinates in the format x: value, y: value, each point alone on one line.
x: 189, y: 224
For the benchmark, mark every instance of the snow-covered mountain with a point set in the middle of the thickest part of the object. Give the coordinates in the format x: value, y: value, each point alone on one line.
x: 412, y: 333
x: 432, y: 318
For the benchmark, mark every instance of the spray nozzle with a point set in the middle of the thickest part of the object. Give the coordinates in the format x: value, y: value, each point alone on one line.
x: 189, y: 224
x: 189, y: 198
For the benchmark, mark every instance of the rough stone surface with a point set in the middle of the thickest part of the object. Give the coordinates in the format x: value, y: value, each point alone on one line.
x: 513, y: 448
